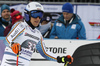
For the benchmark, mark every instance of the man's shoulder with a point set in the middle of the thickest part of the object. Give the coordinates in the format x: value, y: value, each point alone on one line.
x: 60, y: 19
x: 19, y: 25
x: 78, y: 20
x: 37, y: 30
x: 77, y: 17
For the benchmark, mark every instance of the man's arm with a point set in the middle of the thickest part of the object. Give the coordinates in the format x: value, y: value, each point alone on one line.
x: 82, y: 31
x: 16, y: 30
x: 13, y: 34
x: 53, y: 31
x: 50, y: 56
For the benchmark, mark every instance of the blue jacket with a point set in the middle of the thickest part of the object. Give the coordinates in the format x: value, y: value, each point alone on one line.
x: 2, y: 24
x: 70, y: 31
x: 1, y: 30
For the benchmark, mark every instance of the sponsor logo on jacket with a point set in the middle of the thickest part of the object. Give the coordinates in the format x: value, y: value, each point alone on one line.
x: 31, y: 36
x: 15, y: 33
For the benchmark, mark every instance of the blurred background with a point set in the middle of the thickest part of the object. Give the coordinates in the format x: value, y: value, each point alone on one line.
x: 88, y: 10
x: 12, y: 2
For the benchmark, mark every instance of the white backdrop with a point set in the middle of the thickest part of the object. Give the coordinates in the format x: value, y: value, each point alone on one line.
x: 90, y: 13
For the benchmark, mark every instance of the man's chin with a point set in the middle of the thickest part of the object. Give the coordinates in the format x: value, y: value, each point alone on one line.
x: 67, y: 19
x: 35, y: 25
x: 6, y: 17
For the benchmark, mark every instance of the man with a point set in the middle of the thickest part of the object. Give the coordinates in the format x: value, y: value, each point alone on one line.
x: 24, y: 37
x: 45, y: 25
x: 68, y: 25
x: 16, y: 16
x: 5, y: 19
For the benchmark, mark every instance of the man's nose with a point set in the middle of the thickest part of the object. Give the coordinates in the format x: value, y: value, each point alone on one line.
x: 37, y: 18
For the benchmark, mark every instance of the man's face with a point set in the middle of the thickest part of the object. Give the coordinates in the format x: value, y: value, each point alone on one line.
x: 5, y: 14
x: 35, y: 21
x: 67, y: 16
x: 44, y: 22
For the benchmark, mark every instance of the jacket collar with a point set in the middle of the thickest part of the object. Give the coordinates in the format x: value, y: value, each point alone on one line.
x: 74, y: 20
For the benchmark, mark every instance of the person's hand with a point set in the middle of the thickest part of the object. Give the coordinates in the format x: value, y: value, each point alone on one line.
x: 16, y: 47
x: 56, y: 37
x: 65, y: 59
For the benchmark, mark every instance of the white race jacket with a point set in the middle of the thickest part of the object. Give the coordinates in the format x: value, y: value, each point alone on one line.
x: 29, y: 39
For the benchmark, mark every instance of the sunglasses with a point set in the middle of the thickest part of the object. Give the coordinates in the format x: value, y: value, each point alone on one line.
x: 36, y: 14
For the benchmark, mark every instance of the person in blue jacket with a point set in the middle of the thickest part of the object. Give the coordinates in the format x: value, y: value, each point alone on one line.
x: 68, y: 25
x: 5, y: 19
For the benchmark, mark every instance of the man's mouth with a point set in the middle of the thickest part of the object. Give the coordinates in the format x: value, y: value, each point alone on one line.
x: 36, y: 21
